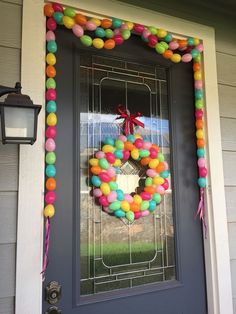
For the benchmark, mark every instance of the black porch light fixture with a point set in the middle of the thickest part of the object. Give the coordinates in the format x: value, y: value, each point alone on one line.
x: 19, y: 116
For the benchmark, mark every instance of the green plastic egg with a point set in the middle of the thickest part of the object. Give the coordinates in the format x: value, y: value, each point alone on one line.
x: 50, y: 83
x: 148, y: 181
x: 156, y: 197
x: 144, y: 205
x: 86, y: 40
x: 119, y: 144
x: 113, y: 185
x: 103, y: 163
x: 69, y: 12
x: 115, y: 205
x: 130, y: 216
x: 144, y: 153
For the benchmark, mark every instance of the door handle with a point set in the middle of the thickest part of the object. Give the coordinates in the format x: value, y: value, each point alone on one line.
x: 53, y: 310
x: 53, y: 293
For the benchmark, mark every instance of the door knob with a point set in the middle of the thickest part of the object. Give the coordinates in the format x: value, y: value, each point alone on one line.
x: 53, y: 310
x: 53, y: 293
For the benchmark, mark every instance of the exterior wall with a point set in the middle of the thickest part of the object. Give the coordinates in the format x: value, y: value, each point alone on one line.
x: 10, y: 44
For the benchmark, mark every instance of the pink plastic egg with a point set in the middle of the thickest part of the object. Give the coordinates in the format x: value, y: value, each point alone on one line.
x: 129, y: 198
x: 203, y: 172
x: 97, y: 192
x: 78, y: 30
x: 147, y: 145
x: 100, y: 154
x: 116, y: 31
x: 199, y: 113
x: 51, y: 131
x: 151, y: 173
x: 139, y: 28
x: 153, y: 153
x: 152, y: 40
x: 50, y: 145
x: 118, y: 39
x: 137, y: 215
x: 104, y: 176
x: 103, y: 200
x: 145, y: 213
x: 50, y: 36
x: 201, y: 162
x: 173, y: 45
x: 51, y: 94
x: 198, y: 84
x: 145, y: 196
x: 51, y: 24
x: 187, y: 57
x: 90, y: 26
x: 111, y: 172
x: 110, y: 157
x: 111, y: 197
x: 122, y: 137
x: 166, y: 165
x: 50, y: 197
x: 200, y: 47
x: 146, y: 33
x: 57, y: 7
x: 166, y: 184
x: 160, y: 189
x: 126, y: 154
x: 138, y: 143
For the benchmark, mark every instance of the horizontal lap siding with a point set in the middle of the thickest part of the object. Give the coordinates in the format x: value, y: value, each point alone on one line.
x: 10, y: 50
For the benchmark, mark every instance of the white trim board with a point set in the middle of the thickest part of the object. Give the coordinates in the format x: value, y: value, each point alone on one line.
x: 31, y: 167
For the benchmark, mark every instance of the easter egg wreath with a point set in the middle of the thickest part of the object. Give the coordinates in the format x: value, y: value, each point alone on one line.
x: 105, y: 165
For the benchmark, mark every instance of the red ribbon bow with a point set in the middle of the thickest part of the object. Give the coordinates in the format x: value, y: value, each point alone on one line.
x: 129, y: 119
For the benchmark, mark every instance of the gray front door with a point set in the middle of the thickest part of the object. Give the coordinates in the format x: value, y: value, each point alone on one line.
x: 105, y: 265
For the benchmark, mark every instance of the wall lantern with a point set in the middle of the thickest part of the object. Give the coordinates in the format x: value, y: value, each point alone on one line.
x: 19, y: 116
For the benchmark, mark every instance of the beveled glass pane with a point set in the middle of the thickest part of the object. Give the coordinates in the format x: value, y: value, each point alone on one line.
x: 116, y: 254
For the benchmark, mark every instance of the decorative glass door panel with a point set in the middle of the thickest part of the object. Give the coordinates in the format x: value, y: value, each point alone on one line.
x: 114, y: 253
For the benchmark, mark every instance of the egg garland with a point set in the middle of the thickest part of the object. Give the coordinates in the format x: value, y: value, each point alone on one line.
x: 105, y: 165
x: 109, y: 33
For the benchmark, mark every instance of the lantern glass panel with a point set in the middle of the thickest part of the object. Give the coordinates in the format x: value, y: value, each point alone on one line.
x: 19, y: 122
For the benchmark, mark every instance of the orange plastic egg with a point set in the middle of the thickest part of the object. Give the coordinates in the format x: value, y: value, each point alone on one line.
x: 51, y: 184
x: 145, y: 161
x: 106, y: 23
x: 51, y: 71
x: 150, y: 189
x: 200, y: 143
x: 199, y: 124
x: 128, y: 145
x: 168, y: 54
x: 96, y: 170
x: 155, y: 147
x: 109, y: 44
x: 196, y: 66
x: 182, y: 43
x: 134, y: 207
x: 160, y: 167
x: 48, y: 10
x: 80, y: 19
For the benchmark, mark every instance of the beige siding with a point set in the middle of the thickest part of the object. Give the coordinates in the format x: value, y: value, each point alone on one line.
x: 10, y: 44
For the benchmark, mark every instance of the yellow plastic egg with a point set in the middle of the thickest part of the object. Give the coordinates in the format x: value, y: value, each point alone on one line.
x: 199, y: 134
x: 135, y: 154
x: 95, y: 21
x: 105, y: 188
x: 137, y: 199
x: 51, y: 119
x: 49, y: 211
x: 176, y: 58
x: 137, y: 136
x: 158, y: 180
x: 130, y: 25
x: 125, y: 206
x: 117, y: 163
x: 51, y: 59
x: 196, y: 41
x: 108, y: 149
x: 161, y: 33
x: 93, y: 162
x: 153, y: 163
x: 68, y: 21
x: 98, y: 43
x: 197, y: 75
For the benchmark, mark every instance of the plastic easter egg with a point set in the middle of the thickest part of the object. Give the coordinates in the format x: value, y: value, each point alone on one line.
x: 119, y: 144
x: 198, y: 84
x: 96, y: 21
x: 144, y: 152
x: 144, y: 205
x: 202, y: 182
x: 118, y: 153
x: 128, y: 198
x: 50, y: 197
x: 176, y: 58
x: 51, y: 24
x: 68, y: 22
x: 200, y: 143
x: 51, y: 59
x: 200, y: 47
x: 161, y: 157
x: 168, y: 54
x: 151, y: 173
x: 134, y: 207
x: 160, y: 189
x: 145, y: 196
x: 104, y: 177
x: 158, y: 180
x: 153, y: 153
x: 58, y: 17
x: 117, y: 163
x: 115, y: 205
x: 147, y: 145
x: 100, y: 32
x: 130, y: 216
x: 49, y: 211
x: 137, y: 199
x: 93, y: 162
x: 152, y: 40
x: 135, y: 154
x: 106, y: 23
x: 152, y: 205
x: 51, y: 132
x: 50, y: 171
x: 149, y: 189
x: 138, y: 28
x: 50, y: 83
x: 109, y: 44
x: 163, y: 43
x: 166, y: 166
x: 149, y: 181
x: 103, y: 163
x: 199, y: 124
x: 50, y: 145
x: 110, y: 157
x: 198, y: 94
x: 57, y: 7
x: 198, y: 113
x: 152, y: 30
x: 113, y: 185
x: 51, y: 106
x: 166, y: 184
x: 199, y: 134
x: 103, y: 201
x: 137, y: 215
x: 78, y: 30
x: 120, y: 195
x: 50, y: 36
x: 160, y: 48
x: 157, y: 197
x: 51, y: 71
x: 96, y: 170
x: 51, y: 119
x: 117, y: 32
x: 203, y: 172
x: 200, y: 152
x: 69, y: 12
x: 51, y: 94
x: 97, y: 192
x: 48, y: 10
x: 119, y: 213
x: 160, y: 167
x: 118, y: 39
x: 108, y: 149
x: 161, y: 33
x: 197, y: 75
x: 111, y: 172
x: 173, y: 45
x: 168, y: 37
x: 51, y: 184
x: 86, y: 40
x: 126, y: 34
x: 95, y: 180
x: 126, y: 154
x: 90, y: 26
x: 164, y: 174
x: 80, y: 19
x: 111, y: 197
x: 190, y: 41
x: 125, y: 206
x: 201, y: 162
x: 138, y: 143
x: 98, y: 43
x: 131, y: 138
x: 153, y: 163
x: 116, y: 23
x: 194, y: 53
x: 105, y: 188
x: 50, y: 158
x: 109, y: 141
x: 187, y: 57
x: 52, y: 46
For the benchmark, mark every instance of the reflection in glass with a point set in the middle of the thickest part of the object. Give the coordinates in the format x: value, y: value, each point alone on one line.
x: 115, y: 254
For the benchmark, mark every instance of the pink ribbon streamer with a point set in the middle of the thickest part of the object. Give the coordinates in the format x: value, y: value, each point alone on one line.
x: 201, y: 210
x: 47, y: 239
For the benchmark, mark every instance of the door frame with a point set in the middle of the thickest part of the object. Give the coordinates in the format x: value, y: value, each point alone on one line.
x: 31, y: 168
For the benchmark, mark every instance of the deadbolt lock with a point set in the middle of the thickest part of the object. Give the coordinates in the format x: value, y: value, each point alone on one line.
x: 53, y: 293
x: 53, y: 310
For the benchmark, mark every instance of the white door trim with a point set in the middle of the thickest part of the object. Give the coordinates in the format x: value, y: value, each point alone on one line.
x: 31, y: 164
